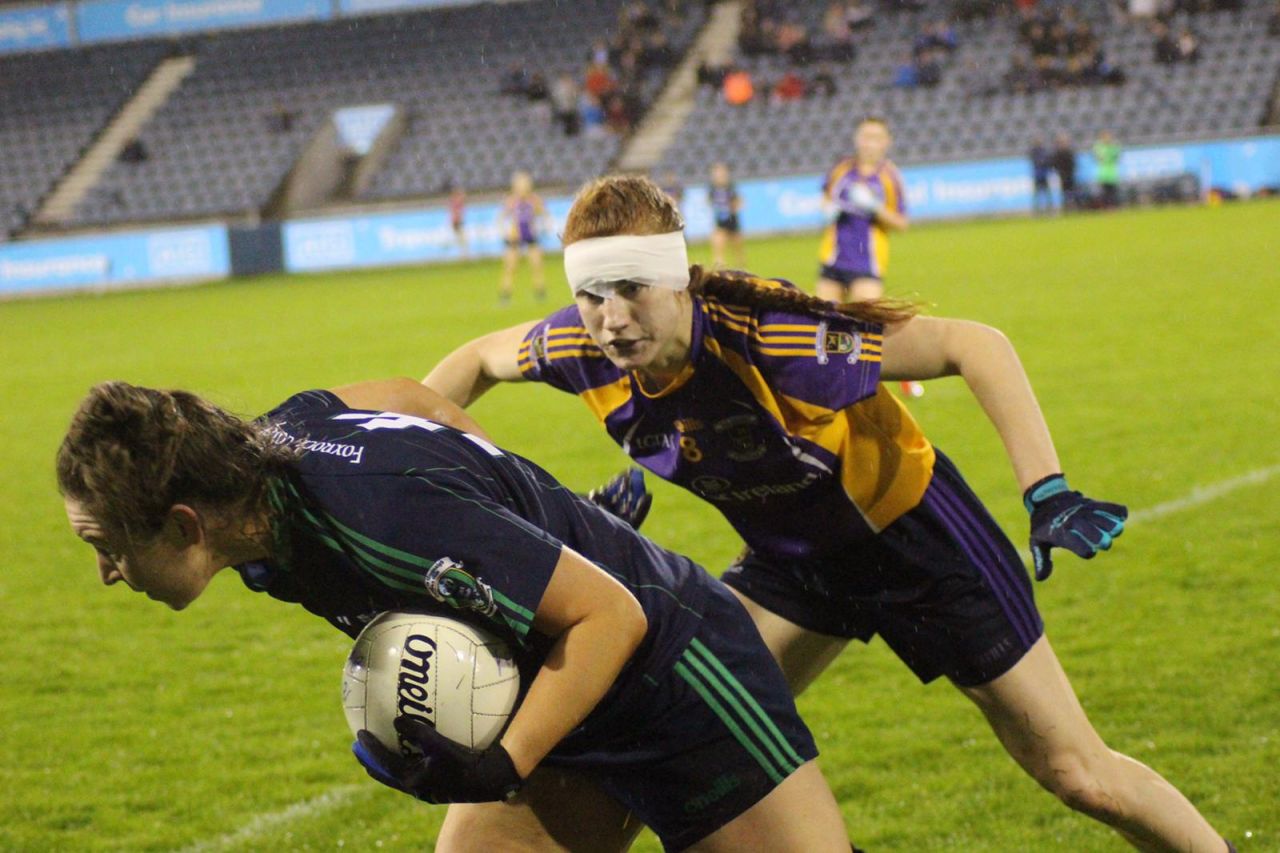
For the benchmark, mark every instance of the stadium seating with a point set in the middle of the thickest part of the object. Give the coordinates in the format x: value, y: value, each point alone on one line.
x: 1226, y: 92
x: 52, y: 105
x: 218, y: 146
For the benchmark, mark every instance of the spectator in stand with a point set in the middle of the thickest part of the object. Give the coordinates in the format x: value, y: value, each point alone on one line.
x: 1188, y: 46
x: 906, y: 75
x: 935, y: 37
x: 929, y: 68
x: 860, y: 14
x: 564, y: 104
x: 1106, y: 155
x: 837, y: 36
x: 738, y: 89
x: 790, y: 87
x: 1041, y: 166
x: 537, y: 89
x: 823, y: 83
x: 591, y: 114
x: 515, y: 81
x: 1273, y: 23
x: 1023, y: 77
x: 793, y: 41
x: 1064, y: 163
x: 618, y: 116
x: 1166, y: 46
x: 599, y: 79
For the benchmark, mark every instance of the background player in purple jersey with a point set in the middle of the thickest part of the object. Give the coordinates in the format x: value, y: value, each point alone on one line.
x: 768, y: 404
x: 865, y: 200
x: 640, y: 671
x: 726, y: 209
x: 521, y: 218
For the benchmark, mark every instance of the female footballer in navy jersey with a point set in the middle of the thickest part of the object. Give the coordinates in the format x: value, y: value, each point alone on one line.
x: 767, y: 403
x: 643, y: 674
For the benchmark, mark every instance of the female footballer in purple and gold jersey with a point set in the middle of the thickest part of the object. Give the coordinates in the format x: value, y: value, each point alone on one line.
x: 864, y: 197
x: 768, y: 403
x: 521, y: 217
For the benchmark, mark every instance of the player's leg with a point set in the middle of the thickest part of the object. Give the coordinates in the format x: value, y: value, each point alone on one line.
x: 739, y: 249
x: 718, y: 238
x: 510, y: 257
x: 535, y: 267
x: 1036, y: 715
x: 831, y: 290
x: 556, y: 810
x: 865, y: 288
x: 799, y: 814
x: 802, y: 654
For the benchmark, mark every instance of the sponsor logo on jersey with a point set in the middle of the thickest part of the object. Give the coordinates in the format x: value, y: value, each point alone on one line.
x: 745, y: 445
x: 413, y: 685
x: 353, y: 453
x: 538, y: 346
x: 720, y: 490
x: 655, y: 440
x: 839, y: 343
x: 710, y: 486
x: 688, y: 424
x: 449, y: 583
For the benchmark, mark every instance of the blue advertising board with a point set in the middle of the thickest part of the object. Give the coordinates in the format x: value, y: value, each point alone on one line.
x: 410, y: 237
x: 979, y: 188
x: 24, y: 28
x: 116, y: 20
x: 198, y: 252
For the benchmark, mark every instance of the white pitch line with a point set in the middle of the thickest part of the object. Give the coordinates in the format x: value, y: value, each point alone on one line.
x: 1204, y: 494
x: 264, y: 822
x: 340, y: 796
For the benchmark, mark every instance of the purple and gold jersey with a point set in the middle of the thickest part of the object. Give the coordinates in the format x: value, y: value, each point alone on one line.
x: 522, y: 219
x: 856, y: 243
x: 779, y: 421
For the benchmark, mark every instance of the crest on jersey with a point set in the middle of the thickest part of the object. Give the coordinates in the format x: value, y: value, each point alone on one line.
x: 848, y: 344
x: 745, y: 445
x: 538, y: 346
x: 449, y: 583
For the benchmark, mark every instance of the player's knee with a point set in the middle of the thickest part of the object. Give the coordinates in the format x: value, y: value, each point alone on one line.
x: 1084, y: 786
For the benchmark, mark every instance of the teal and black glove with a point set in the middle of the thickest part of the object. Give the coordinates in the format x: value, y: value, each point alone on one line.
x: 1061, y: 518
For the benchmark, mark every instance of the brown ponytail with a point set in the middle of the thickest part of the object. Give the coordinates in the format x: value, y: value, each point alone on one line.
x: 739, y: 288
x: 131, y: 453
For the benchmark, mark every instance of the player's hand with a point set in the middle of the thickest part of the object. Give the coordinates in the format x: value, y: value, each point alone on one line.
x: 624, y: 496
x: 863, y: 200
x: 445, y: 772
x: 1061, y: 518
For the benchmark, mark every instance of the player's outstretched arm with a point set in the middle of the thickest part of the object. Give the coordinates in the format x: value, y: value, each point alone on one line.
x: 407, y: 397
x: 476, y: 366
x: 930, y: 347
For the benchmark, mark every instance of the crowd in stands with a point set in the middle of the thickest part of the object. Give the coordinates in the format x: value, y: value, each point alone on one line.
x: 931, y: 51
x: 608, y: 94
x: 1057, y: 49
x: 770, y: 27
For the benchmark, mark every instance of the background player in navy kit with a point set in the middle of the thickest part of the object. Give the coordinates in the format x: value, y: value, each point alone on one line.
x: 521, y: 219
x: 726, y: 206
x: 642, y: 672
x: 768, y: 404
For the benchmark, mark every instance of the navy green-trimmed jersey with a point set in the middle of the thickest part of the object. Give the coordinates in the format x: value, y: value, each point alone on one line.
x: 779, y: 420
x: 384, y: 511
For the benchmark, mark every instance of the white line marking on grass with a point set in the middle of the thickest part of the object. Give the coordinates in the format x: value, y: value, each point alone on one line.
x: 327, y: 801
x: 1204, y: 494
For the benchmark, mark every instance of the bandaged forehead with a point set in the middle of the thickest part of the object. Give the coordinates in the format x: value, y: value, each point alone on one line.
x: 598, y: 265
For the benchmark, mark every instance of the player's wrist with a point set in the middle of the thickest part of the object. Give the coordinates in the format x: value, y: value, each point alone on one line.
x: 1044, y: 489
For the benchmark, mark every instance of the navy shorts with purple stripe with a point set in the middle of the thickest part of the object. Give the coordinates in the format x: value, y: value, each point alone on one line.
x: 943, y: 586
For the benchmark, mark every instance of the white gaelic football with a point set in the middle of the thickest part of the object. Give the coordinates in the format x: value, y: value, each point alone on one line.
x: 459, y: 678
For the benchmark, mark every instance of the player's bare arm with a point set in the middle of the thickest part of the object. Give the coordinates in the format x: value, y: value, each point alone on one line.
x: 598, y: 625
x: 476, y: 366
x: 892, y: 219
x: 407, y: 397
x: 931, y: 347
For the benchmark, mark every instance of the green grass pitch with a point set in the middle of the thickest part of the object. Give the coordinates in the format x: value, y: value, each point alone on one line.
x: 1151, y: 337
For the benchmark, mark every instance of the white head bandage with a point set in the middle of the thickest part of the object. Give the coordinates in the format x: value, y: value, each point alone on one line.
x: 599, y: 264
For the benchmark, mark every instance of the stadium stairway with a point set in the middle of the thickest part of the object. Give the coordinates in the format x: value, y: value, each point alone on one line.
x: 715, y: 44
x: 80, y: 179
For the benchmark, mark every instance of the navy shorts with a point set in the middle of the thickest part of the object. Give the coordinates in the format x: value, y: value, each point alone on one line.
x: 943, y: 586
x: 843, y: 276
x: 729, y: 224
x: 710, y: 739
